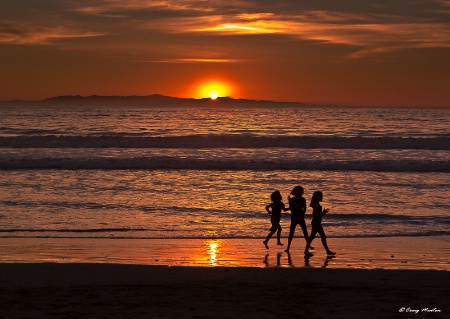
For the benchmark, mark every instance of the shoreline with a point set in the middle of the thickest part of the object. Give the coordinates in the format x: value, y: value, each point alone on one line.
x: 413, y: 253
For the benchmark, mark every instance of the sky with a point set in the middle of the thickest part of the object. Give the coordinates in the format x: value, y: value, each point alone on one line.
x: 346, y: 52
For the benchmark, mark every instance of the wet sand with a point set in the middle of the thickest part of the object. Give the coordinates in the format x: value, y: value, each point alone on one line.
x: 361, y: 253
x: 237, y: 278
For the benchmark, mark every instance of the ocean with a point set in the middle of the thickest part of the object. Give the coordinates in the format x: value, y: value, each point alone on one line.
x: 208, y: 172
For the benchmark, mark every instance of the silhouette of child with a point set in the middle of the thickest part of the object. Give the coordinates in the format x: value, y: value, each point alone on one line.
x: 318, y: 212
x: 275, y: 209
x: 297, y: 205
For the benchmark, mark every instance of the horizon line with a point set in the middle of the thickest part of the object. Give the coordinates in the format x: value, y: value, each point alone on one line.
x: 221, y: 98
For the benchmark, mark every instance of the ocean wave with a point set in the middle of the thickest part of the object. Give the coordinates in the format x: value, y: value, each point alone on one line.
x: 168, y: 162
x: 14, y: 132
x: 94, y: 230
x: 137, y: 234
x: 118, y: 207
x: 223, y: 141
x: 385, y: 217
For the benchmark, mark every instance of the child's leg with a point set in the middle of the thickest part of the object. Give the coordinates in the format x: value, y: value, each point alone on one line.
x: 279, y: 236
x: 291, y: 235
x: 309, y: 241
x: 268, y: 237
x: 324, y: 241
x: 305, y: 232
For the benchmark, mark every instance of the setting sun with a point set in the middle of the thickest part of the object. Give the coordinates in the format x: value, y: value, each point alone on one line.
x: 213, y: 89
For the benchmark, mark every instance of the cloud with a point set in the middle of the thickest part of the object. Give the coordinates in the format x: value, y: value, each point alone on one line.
x: 23, y: 34
x: 367, y: 28
x: 188, y: 60
x: 113, y: 8
x: 368, y: 34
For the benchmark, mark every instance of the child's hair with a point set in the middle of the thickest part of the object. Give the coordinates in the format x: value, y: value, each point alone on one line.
x: 315, y: 199
x: 296, y: 189
x: 275, y: 196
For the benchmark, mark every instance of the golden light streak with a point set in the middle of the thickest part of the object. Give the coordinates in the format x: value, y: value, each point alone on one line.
x: 213, y: 250
x: 200, y: 60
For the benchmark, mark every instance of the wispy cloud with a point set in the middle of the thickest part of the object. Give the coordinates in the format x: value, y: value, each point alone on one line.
x: 113, y: 8
x: 367, y: 34
x: 189, y: 60
x: 22, y: 34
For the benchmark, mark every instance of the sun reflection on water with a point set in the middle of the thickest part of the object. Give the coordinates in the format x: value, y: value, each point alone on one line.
x: 213, y: 250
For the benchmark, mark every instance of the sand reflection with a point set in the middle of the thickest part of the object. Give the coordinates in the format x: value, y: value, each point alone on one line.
x: 364, y: 253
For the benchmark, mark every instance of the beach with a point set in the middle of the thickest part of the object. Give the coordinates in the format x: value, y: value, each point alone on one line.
x: 158, y: 212
x: 50, y: 290
x: 149, y: 150
x: 368, y: 278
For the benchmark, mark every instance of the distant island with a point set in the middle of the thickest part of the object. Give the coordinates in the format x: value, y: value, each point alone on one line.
x: 148, y: 100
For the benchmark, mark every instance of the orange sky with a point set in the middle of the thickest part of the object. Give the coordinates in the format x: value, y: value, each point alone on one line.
x: 376, y: 52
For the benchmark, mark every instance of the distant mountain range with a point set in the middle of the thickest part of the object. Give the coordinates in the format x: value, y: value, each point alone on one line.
x: 149, y: 100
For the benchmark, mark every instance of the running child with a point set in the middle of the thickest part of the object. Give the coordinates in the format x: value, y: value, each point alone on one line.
x: 318, y: 212
x: 275, y: 209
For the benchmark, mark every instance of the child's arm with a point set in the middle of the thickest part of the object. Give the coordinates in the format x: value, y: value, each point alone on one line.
x: 324, y: 211
x: 303, y: 206
x: 318, y: 211
x: 289, y: 201
x: 267, y: 208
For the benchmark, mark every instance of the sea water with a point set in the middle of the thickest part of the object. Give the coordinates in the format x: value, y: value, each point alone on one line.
x: 207, y: 172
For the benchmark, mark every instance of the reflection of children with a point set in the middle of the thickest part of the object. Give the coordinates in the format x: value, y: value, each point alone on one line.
x: 318, y: 212
x: 297, y: 205
x: 275, y: 209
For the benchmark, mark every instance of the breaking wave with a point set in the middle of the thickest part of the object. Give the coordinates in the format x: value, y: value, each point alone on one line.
x: 223, y: 141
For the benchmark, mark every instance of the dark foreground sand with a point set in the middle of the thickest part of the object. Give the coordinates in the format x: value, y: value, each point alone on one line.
x: 51, y: 290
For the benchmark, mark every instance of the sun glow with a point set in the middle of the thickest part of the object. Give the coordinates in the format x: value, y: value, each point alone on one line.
x: 213, y: 89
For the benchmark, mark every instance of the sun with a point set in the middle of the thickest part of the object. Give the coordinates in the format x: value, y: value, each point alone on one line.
x: 213, y: 89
